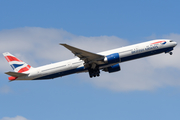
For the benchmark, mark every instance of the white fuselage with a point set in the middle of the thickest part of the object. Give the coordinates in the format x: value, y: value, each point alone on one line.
x: 76, y: 65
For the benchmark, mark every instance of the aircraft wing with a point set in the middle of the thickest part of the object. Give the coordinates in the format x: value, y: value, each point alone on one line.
x: 15, y: 74
x: 87, y: 57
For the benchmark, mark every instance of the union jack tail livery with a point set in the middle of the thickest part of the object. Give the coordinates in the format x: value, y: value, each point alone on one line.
x: 17, y: 65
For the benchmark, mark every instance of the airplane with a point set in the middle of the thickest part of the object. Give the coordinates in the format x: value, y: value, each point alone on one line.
x: 85, y: 61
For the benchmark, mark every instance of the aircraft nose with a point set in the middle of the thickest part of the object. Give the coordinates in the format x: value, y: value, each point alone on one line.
x: 175, y: 43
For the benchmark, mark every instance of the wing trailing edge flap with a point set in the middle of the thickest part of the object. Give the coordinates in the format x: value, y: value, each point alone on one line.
x: 16, y: 74
x: 87, y: 57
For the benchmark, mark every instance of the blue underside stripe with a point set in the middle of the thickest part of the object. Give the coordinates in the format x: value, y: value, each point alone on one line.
x: 132, y: 57
x: 62, y: 73
x: 81, y: 69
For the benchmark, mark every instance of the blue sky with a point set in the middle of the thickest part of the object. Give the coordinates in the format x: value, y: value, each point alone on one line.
x: 148, y: 88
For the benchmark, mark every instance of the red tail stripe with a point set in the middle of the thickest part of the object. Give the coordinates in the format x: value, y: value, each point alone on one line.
x: 24, y: 69
x: 11, y: 58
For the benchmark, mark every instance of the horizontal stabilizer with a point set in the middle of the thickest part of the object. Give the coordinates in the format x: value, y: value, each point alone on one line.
x: 16, y: 74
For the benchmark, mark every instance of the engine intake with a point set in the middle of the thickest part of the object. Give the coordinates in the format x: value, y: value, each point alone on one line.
x: 112, y: 58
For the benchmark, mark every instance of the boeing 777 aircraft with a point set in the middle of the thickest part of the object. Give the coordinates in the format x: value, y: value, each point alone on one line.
x: 108, y: 61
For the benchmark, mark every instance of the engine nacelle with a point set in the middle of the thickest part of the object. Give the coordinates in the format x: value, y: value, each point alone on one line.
x: 112, y: 58
x: 113, y: 68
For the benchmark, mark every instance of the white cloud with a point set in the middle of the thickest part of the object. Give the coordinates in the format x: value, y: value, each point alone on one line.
x: 135, y: 75
x: 14, y: 118
x: 43, y: 44
x: 5, y: 89
x: 39, y: 46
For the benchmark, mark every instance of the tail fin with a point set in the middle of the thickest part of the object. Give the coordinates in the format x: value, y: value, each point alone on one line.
x: 16, y: 64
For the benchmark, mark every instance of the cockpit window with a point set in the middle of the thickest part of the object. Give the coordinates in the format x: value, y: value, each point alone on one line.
x: 171, y: 40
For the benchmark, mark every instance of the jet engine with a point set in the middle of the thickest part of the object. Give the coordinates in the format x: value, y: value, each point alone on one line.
x: 112, y: 58
x: 113, y: 68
